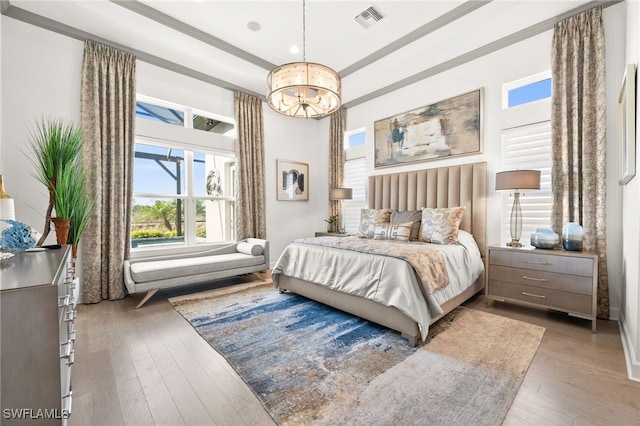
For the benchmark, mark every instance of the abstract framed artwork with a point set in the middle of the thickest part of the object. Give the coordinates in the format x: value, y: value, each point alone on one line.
x: 627, y: 126
x: 292, y: 180
x: 444, y: 129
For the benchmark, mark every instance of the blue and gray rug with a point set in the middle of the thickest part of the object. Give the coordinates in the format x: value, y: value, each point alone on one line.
x: 311, y: 364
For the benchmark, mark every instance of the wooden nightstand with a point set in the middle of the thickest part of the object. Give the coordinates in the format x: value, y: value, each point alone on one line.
x: 565, y: 281
x: 331, y: 234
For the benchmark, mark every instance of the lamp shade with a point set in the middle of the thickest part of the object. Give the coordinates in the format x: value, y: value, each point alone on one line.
x: 341, y: 194
x: 518, y: 180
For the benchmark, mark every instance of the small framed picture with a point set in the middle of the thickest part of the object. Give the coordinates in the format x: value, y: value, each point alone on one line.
x: 292, y: 180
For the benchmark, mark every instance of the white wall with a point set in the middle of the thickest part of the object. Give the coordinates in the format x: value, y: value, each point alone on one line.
x: 306, y: 141
x: 40, y: 79
x: 630, y: 289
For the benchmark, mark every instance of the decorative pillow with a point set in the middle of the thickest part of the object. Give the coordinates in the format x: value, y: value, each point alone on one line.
x: 391, y: 231
x: 414, y: 217
x: 249, y: 248
x: 369, y: 218
x: 440, y: 226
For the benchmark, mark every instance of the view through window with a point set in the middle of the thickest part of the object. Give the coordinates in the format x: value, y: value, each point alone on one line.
x: 182, y: 195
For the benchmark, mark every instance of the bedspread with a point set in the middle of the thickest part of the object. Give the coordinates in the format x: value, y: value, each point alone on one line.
x: 428, y: 263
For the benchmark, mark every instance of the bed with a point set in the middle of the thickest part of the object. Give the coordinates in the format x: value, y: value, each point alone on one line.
x: 392, y: 294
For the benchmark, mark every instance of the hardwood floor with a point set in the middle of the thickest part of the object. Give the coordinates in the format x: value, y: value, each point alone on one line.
x: 149, y: 366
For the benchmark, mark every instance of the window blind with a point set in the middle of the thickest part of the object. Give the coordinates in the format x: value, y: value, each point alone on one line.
x: 354, y: 178
x: 528, y: 148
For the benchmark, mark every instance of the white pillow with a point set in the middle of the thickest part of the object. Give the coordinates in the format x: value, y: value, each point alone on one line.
x: 393, y: 231
x: 248, y: 248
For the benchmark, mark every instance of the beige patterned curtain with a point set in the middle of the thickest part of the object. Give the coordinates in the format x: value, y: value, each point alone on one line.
x: 108, y: 117
x: 579, y: 135
x: 250, y: 197
x: 337, y: 127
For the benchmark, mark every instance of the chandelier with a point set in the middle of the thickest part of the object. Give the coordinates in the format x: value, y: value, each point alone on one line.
x: 304, y: 89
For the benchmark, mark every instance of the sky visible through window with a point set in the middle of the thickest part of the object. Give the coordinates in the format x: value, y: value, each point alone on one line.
x: 356, y: 139
x: 150, y: 177
x: 530, y: 92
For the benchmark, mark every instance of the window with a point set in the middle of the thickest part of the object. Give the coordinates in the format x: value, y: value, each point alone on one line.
x: 528, y: 147
x: 355, y: 139
x: 526, y: 90
x: 165, y: 112
x: 183, y: 182
x: 355, y: 177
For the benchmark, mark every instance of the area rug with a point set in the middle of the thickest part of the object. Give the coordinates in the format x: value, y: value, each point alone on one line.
x: 310, y: 364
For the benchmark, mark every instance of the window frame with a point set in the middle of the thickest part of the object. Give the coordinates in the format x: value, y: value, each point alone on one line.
x: 535, y: 78
x: 355, y: 153
x: 190, y: 141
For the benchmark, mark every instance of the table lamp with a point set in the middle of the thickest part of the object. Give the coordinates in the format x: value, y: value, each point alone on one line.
x: 517, y: 180
x: 338, y: 194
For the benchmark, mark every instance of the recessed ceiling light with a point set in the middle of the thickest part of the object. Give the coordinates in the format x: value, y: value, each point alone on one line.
x: 254, y: 26
x: 294, y: 49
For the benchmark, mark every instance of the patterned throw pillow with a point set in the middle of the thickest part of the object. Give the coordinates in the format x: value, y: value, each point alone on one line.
x: 369, y: 218
x: 440, y: 226
x: 412, y: 216
x: 393, y: 231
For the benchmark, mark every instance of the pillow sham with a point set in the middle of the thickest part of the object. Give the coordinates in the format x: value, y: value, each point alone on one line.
x: 393, y: 231
x: 369, y: 218
x: 440, y: 226
x: 410, y: 216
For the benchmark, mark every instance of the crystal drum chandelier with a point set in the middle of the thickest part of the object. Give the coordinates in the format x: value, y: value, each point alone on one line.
x: 304, y: 89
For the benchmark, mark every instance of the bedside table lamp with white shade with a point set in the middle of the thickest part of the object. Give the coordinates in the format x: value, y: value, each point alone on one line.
x: 516, y: 181
x: 339, y: 194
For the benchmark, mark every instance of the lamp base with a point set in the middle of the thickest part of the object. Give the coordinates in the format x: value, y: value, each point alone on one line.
x: 514, y: 243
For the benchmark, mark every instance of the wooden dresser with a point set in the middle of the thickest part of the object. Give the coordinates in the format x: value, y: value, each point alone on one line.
x: 564, y: 281
x: 38, y: 336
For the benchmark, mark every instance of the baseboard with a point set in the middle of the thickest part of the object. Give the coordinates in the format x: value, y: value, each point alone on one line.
x: 614, y: 314
x: 633, y: 366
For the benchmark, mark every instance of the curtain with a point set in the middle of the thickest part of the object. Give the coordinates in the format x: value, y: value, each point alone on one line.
x: 250, y: 196
x: 337, y: 127
x: 108, y: 118
x: 579, y: 135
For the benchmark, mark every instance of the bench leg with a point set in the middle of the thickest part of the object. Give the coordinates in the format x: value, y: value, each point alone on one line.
x: 147, y: 296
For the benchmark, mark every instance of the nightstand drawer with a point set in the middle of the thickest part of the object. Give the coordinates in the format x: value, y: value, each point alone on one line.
x: 569, y: 302
x: 543, y: 262
x: 542, y: 279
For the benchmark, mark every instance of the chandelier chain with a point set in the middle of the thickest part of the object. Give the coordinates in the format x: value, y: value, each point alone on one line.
x: 304, y: 32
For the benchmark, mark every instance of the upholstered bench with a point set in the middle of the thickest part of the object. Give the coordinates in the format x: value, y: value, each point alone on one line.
x: 156, y: 272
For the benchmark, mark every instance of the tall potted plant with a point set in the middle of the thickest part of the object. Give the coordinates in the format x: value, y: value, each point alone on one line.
x: 56, y: 145
x: 82, y: 206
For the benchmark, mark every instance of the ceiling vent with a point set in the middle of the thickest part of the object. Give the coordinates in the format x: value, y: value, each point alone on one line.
x: 369, y: 17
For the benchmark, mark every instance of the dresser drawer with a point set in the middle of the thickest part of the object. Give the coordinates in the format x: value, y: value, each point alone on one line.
x: 543, y: 279
x: 569, y: 302
x: 543, y: 262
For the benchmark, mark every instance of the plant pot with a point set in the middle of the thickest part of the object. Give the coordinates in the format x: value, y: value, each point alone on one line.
x: 62, y: 229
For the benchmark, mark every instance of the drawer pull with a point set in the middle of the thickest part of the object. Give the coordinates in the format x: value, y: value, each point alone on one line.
x: 540, y: 280
x: 534, y: 262
x: 70, y: 316
x: 533, y: 295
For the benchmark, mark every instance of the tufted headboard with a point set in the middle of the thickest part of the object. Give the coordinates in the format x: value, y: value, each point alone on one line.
x: 461, y: 185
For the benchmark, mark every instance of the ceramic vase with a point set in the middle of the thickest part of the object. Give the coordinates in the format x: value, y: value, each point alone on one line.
x: 545, y: 238
x: 572, y: 236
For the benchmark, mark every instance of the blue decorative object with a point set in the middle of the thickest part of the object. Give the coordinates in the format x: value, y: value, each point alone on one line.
x: 545, y: 238
x: 16, y: 237
x: 572, y: 236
